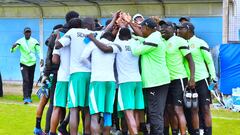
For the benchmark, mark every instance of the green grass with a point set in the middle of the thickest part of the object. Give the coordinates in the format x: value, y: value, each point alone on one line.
x: 19, y: 119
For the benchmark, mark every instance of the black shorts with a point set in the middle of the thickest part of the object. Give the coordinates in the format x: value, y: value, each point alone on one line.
x: 204, y: 95
x: 175, y: 91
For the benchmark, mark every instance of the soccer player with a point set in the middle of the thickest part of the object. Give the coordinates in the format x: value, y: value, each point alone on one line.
x: 79, y: 74
x: 50, y: 68
x: 102, y: 87
x: 130, y: 94
x: 204, y: 70
x: 155, y: 74
x: 61, y: 56
x: 177, y: 52
x: 28, y: 47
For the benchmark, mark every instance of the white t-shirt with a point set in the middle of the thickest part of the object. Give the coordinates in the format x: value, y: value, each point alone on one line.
x: 75, y: 39
x: 63, y: 71
x: 101, y: 63
x: 127, y: 63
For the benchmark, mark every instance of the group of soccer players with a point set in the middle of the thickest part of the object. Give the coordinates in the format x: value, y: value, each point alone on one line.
x: 159, y: 72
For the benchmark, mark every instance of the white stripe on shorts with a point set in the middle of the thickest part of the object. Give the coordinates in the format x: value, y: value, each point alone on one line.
x: 182, y: 84
x: 72, y: 95
x: 120, y: 102
x: 206, y: 82
x: 93, y: 101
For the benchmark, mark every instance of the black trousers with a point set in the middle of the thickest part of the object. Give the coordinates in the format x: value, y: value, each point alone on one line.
x: 28, y: 76
x: 50, y: 107
x: 1, y: 86
x: 156, y: 99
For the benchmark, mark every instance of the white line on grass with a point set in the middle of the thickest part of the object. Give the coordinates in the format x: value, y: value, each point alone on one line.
x: 17, y: 103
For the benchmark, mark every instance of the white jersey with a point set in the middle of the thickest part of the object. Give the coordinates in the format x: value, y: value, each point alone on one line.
x: 63, y: 71
x: 75, y: 39
x: 101, y: 63
x: 127, y: 63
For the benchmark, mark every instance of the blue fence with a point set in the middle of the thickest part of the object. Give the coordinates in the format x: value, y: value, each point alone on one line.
x: 209, y: 29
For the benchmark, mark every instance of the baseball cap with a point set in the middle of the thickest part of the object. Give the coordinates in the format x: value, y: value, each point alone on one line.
x: 27, y: 29
x: 184, y: 18
x: 168, y: 23
x: 137, y: 15
x: 149, y: 23
x: 187, y: 25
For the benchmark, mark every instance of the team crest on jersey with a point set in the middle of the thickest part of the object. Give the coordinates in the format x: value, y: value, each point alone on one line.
x: 127, y: 48
x: 169, y: 45
x: 80, y: 34
x: 192, y: 46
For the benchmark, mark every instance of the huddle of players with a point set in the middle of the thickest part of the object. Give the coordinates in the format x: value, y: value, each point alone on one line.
x: 168, y: 64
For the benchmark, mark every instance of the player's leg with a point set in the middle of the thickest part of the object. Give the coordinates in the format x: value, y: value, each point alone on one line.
x: 87, y: 121
x: 204, y: 105
x: 126, y: 103
x: 169, y: 112
x: 50, y: 108
x: 110, y: 88
x: 31, y: 78
x: 74, y: 120
x: 63, y: 125
x: 156, y: 99
x: 43, y: 101
x: 60, y: 102
x: 24, y: 71
x: 96, y: 105
x: 177, y: 88
x: 95, y: 126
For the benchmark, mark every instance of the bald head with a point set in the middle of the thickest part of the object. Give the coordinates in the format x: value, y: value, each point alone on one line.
x: 88, y: 23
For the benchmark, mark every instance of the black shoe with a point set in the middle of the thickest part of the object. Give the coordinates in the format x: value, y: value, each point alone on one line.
x: 63, y: 130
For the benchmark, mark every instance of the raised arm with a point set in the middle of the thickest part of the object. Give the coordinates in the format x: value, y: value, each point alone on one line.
x: 100, y: 45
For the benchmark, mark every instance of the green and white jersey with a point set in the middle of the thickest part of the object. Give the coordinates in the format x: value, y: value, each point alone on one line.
x: 101, y: 63
x: 153, y: 60
x: 202, y: 59
x: 127, y: 63
x: 177, y: 49
x: 28, y: 49
x: 75, y: 39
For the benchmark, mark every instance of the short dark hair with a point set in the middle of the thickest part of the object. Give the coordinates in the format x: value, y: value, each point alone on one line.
x: 75, y: 23
x: 89, y: 23
x: 108, y: 35
x: 57, y: 26
x: 70, y: 15
x: 124, y: 33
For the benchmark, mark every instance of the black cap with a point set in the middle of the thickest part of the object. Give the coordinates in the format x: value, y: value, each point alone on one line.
x: 27, y: 29
x: 187, y: 25
x: 168, y: 23
x: 149, y: 23
x: 184, y: 18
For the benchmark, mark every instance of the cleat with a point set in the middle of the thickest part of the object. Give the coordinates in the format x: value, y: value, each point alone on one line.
x: 38, y: 131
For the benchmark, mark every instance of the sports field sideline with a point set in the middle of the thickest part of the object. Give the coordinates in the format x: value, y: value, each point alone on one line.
x: 18, y: 119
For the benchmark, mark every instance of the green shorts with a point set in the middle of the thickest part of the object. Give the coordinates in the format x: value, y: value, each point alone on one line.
x: 78, y: 91
x: 130, y: 96
x: 61, y: 94
x: 102, y: 95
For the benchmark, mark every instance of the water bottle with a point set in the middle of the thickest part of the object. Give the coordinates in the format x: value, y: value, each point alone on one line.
x: 211, y: 86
